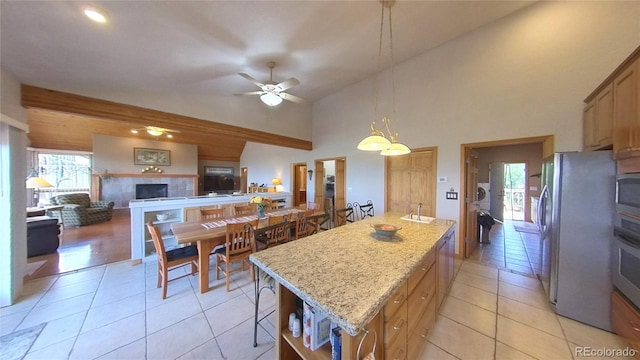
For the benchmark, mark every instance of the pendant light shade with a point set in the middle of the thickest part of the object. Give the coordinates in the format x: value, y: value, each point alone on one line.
x: 388, y: 145
x: 374, y: 142
x: 395, y: 149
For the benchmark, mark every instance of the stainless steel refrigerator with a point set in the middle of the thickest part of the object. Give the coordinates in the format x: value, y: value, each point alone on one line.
x: 575, y: 219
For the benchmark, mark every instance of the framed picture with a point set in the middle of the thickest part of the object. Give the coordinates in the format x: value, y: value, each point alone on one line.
x: 157, y: 157
x: 218, y: 170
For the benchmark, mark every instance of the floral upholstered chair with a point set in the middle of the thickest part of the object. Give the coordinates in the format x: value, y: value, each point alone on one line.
x: 79, y: 210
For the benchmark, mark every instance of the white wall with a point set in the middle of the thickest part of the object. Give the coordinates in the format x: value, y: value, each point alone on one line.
x: 524, y: 75
x: 115, y: 154
x: 13, y: 156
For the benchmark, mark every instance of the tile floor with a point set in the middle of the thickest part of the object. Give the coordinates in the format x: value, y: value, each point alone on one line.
x: 115, y: 312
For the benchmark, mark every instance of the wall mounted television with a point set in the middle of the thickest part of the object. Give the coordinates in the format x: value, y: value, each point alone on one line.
x: 219, y: 179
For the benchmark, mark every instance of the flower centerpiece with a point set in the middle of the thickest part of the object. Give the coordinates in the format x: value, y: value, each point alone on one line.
x: 261, y: 202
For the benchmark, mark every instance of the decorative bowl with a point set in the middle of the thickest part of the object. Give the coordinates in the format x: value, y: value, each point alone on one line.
x: 162, y: 217
x: 387, y: 230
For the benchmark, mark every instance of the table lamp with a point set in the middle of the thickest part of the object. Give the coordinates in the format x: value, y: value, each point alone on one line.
x: 275, y: 182
x: 35, y: 183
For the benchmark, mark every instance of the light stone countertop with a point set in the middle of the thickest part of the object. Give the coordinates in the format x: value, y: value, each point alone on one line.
x: 349, y: 272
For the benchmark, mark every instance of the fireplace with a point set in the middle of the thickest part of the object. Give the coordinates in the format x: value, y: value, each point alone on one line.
x: 150, y: 191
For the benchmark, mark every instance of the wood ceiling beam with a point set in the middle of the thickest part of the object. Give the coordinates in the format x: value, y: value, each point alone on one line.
x: 40, y: 98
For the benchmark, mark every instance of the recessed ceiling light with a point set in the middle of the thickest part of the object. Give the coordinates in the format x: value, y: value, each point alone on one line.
x: 95, y: 14
x: 169, y: 136
x: 133, y: 131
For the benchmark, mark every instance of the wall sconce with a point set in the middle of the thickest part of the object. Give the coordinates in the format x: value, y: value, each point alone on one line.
x: 310, y: 172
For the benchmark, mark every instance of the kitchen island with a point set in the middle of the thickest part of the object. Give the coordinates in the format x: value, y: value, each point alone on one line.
x: 363, y: 281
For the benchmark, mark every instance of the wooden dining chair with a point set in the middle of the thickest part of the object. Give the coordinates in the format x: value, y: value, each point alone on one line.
x: 273, y: 206
x: 171, y: 259
x: 245, y: 209
x: 207, y: 214
x: 238, y: 246
x: 274, y: 219
x: 266, y: 237
x: 301, y: 228
x: 343, y: 216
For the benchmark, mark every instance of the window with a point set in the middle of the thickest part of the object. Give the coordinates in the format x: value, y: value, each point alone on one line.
x: 67, y: 172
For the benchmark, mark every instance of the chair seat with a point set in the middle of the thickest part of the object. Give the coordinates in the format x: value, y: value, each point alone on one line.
x: 181, y: 253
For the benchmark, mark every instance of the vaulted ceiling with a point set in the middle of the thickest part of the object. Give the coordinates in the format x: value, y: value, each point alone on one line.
x: 199, y: 47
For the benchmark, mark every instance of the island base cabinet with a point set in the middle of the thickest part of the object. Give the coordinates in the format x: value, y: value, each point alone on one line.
x: 288, y: 347
x: 419, y: 337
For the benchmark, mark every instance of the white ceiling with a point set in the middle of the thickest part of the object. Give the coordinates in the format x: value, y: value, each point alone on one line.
x: 199, y: 46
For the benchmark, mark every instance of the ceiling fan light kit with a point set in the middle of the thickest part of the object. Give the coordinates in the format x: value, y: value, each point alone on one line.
x: 155, y: 131
x: 377, y: 141
x: 272, y: 93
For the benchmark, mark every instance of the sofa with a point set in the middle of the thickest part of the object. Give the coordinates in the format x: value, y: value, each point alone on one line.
x: 79, y: 210
x: 42, y: 235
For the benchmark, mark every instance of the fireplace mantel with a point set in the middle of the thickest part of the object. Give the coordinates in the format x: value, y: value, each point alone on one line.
x: 100, y: 184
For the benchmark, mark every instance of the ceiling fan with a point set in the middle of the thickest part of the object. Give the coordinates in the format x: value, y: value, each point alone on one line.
x: 273, y: 93
x: 155, y: 131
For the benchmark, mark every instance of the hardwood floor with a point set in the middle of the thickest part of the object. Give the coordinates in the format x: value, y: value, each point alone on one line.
x: 85, y: 246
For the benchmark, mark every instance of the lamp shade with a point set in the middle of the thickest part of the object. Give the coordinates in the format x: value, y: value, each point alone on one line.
x: 271, y: 99
x: 374, y: 143
x: 395, y: 149
x: 37, y: 182
x: 276, y: 181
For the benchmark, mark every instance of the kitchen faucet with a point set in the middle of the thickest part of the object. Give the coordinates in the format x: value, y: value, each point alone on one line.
x: 419, y: 209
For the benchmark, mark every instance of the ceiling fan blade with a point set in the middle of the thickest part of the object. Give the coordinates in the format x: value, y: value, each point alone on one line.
x: 292, y: 98
x: 251, y: 93
x: 287, y: 84
x: 248, y: 77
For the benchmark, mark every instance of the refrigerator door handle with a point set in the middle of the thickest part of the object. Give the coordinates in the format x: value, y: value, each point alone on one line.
x: 541, y: 209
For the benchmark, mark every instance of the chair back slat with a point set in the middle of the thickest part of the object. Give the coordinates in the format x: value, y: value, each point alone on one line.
x: 245, y: 209
x: 206, y: 214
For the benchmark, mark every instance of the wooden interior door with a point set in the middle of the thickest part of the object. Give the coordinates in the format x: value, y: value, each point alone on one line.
x: 244, y: 173
x: 410, y: 180
x: 471, y: 202
x: 319, y: 186
x: 340, y: 185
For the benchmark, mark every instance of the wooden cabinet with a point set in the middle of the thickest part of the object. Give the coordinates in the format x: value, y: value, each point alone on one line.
x: 598, y: 120
x: 611, y: 116
x: 626, y: 111
x: 625, y: 319
x: 445, y: 261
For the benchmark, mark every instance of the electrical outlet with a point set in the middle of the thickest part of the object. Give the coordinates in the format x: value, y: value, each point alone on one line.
x: 451, y: 195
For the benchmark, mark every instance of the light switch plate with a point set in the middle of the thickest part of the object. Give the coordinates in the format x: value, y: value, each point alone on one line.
x: 452, y: 195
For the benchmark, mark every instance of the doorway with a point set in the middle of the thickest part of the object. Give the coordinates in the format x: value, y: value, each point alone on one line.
x: 512, y: 188
x: 330, y: 184
x: 299, y: 183
x: 529, y: 151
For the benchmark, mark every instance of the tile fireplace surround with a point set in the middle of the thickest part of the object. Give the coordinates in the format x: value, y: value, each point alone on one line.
x: 121, y: 188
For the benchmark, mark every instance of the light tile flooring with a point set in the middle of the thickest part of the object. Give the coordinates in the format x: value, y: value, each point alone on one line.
x: 115, y: 312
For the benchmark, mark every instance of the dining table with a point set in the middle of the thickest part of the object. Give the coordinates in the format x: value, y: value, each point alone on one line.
x: 210, y: 233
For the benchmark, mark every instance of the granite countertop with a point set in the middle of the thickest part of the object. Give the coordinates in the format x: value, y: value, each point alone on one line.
x: 349, y: 272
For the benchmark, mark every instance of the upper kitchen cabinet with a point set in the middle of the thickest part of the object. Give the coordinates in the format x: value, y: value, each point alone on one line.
x: 598, y: 119
x: 626, y: 110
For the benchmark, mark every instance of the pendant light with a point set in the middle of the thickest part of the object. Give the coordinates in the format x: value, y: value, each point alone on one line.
x: 387, y: 145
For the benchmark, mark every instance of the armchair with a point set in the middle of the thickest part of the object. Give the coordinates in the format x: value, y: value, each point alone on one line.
x: 79, y: 210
